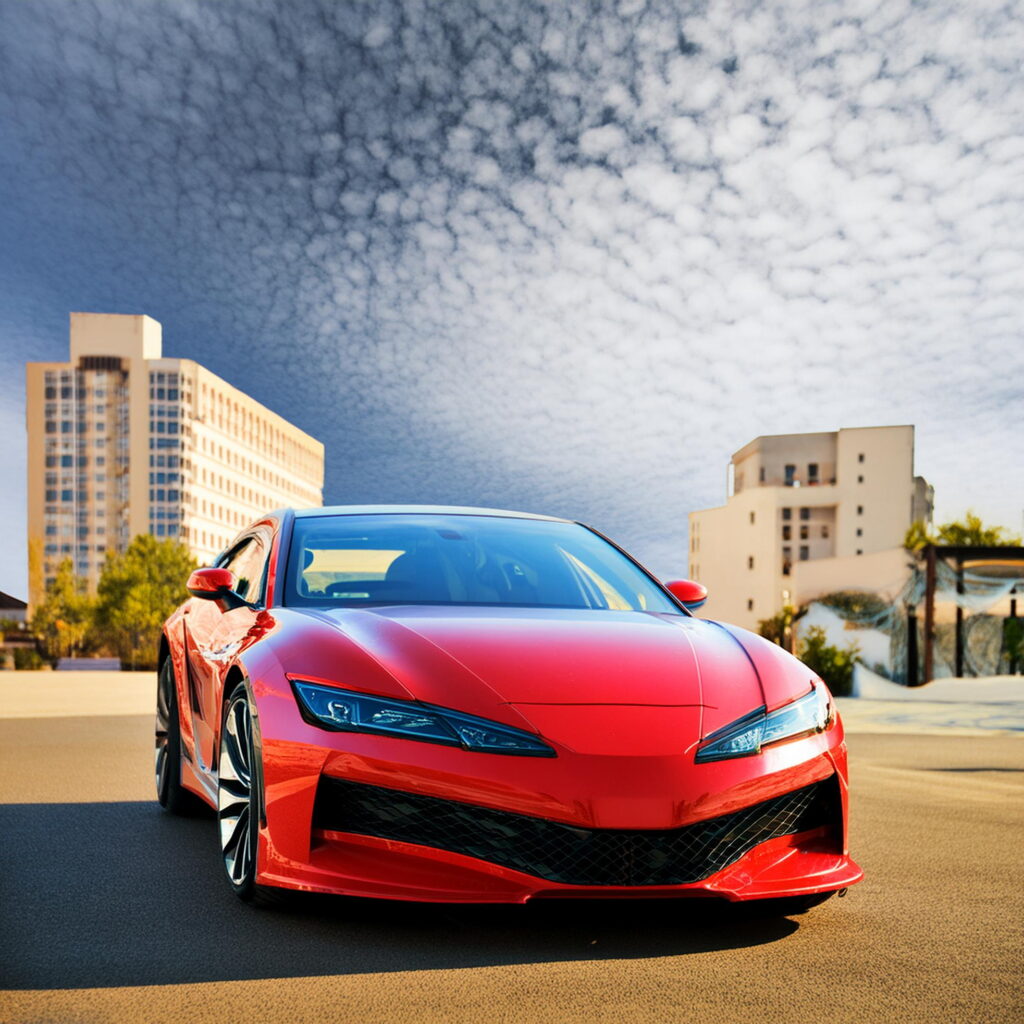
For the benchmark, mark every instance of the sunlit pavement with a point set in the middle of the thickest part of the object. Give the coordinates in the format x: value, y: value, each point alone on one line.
x: 111, y: 911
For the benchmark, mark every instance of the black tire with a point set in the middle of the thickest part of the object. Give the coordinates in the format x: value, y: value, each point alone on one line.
x: 172, y: 796
x: 238, y: 803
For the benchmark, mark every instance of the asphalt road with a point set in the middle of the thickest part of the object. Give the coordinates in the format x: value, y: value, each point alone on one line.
x: 112, y: 911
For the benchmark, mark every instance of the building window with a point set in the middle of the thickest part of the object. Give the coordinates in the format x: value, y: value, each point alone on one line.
x: 751, y: 518
x: 805, y: 533
x: 805, y: 513
x: 860, y: 458
x: 824, y: 531
x: 812, y: 472
x: 860, y: 532
x: 860, y: 479
x: 750, y: 604
x: 750, y: 561
x: 859, y: 552
x: 860, y: 510
x: 787, y: 532
x: 760, y: 475
x: 790, y: 475
x: 787, y: 513
x: 787, y: 560
x: 805, y: 552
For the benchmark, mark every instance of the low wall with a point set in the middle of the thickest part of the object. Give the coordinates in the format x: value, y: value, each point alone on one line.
x: 73, y: 694
x: 882, y: 573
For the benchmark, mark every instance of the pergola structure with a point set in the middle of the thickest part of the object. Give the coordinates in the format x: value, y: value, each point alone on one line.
x: 996, y: 561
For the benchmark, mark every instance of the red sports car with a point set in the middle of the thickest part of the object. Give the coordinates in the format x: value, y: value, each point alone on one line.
x: 456, y: 704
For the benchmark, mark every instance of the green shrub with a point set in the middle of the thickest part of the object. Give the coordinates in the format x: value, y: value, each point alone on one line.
x: 27, y: 658
x: 856, y: 605
x: 833, y: 664
x: 779, y: 628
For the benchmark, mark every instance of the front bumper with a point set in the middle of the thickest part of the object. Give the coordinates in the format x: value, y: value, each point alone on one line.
x: 404, y: 820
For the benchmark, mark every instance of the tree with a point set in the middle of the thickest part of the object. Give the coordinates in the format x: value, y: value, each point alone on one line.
x: 917, y: 536
x: 63, y: 622
x: 779, y: 628
x: 968, y: 532
x: 137, y: 591
x: 833, y: 664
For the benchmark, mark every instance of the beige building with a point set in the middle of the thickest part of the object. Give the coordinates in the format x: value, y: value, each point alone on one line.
x: 123, y: 441
x: 805, y: 515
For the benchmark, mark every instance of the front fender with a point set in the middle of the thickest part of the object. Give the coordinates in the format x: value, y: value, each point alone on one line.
x: 174, y: 636
x: 782, y: 676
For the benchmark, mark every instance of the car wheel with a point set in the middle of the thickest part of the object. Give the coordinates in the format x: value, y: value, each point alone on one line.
x: 238, y: 802
x: 172, y: 796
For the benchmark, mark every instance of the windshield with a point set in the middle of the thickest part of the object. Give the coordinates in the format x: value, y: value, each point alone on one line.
x: 461, y: 560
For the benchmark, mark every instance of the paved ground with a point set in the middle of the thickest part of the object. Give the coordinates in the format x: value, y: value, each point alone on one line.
x: 110, y: 911
x: 935, y: 718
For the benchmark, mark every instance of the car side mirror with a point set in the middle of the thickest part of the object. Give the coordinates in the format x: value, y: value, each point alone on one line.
x: 216, y: 585
x: 689, y: 593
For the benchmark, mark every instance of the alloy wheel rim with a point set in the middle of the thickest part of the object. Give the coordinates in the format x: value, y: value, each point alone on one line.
x: 163, y: 722
x: 234, y: 792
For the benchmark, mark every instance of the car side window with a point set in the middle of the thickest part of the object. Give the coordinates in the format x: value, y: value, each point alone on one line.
x: 248, y: 562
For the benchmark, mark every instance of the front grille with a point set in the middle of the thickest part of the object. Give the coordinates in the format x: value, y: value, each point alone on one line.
x: 564, y: 853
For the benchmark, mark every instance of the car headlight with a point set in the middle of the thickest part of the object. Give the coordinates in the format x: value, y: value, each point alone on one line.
x: 344, y: 711
x: 804, y: 716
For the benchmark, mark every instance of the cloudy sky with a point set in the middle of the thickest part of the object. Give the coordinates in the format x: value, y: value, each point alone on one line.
x: 562, y: 256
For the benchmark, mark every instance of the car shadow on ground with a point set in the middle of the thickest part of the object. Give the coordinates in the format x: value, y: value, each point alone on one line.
x: 112, y: 894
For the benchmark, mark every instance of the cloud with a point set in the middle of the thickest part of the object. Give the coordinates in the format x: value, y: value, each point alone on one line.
x: 544, y: 256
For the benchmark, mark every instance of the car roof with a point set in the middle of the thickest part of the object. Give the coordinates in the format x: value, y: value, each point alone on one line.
x: 436, y: 510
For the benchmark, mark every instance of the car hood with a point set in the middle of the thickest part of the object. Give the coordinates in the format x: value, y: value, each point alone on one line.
x: 511, y: 664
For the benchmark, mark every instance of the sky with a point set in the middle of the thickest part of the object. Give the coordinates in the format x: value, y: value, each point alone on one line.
x: 561, y: 257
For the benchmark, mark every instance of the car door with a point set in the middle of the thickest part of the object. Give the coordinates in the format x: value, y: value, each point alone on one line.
x: 216, y: 632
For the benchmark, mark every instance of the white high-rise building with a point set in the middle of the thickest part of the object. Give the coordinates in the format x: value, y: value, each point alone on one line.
x: 805, y: 515
x: 123, y: 441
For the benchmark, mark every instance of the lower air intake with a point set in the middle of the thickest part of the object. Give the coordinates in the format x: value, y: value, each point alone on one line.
x: 565, y: 853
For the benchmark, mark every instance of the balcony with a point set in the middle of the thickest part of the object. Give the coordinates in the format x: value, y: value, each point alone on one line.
x: 797, y: 482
